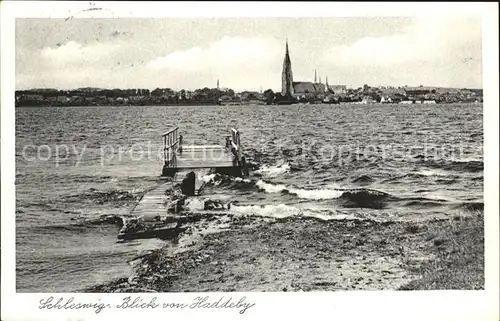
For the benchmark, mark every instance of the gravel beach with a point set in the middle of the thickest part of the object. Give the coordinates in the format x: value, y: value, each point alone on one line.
x: 226, y: 253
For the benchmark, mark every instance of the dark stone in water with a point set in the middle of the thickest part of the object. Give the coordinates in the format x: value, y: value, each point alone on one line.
x: 177, y: 203
x: 133, y: 226
x: 211, y: 205
x: 188, y: 184
x: 364, y: 199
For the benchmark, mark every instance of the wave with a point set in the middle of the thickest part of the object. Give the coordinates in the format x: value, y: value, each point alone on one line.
x: 345, y: 197
x: 85, y: 224
x: 280, y: 210
x: 463, y: 165
x: 228, y: 182
x: 363, y: 198
x: 439, y: 175
x: 273, y: 171
x: 315, y: 194
x: 471, y: 206
x: 101, y: 197
x: 423, y: 202
x: 363, y: 179
x: 469, y: 165
x: 427, y: 172
x: 283, y: 210
x: 349, y: 197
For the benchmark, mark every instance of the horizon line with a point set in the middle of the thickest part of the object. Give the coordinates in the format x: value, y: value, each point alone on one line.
x: 246, y: 89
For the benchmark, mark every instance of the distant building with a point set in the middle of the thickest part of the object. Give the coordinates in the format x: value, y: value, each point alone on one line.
x: 249, y: 95
x: 367, y: 100
x: 338, y: 89
x: 304, y: 87
x: 287, y: 75
x: 415, y: 91
x: 385, y: 99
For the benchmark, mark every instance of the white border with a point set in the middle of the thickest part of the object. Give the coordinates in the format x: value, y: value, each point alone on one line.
x: 384, y: 305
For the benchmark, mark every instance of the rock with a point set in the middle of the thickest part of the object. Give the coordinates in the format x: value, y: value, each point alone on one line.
x: 188, y: 184
x: 211, y: 205
x: 133, y: 226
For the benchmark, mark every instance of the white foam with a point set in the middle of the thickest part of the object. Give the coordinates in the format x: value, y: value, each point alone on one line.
x: 427, y: 172
x: 279, y: 211
x: 466, y: 160
x: 273, y: 171
x: 207, y: 178
x: 195, y: 204
x: 270, y: 188
x: 314, y: 194
x: 282, y: 211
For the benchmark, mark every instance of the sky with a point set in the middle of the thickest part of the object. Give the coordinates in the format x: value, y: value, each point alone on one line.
x: 247, y: 54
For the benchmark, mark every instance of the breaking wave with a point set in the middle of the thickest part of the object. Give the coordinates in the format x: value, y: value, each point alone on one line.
x: 313, y: 194
x: 273, y: 171
x: 283, y: 210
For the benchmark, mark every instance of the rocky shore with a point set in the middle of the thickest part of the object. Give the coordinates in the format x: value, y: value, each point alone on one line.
x: 223, y: 252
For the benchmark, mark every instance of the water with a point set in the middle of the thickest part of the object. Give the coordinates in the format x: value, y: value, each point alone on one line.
x: 384, y: 162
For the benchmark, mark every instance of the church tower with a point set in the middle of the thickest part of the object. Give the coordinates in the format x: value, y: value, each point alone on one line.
x: 286, y: 75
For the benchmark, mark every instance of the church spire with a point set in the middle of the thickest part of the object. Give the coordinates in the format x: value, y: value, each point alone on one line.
x: 315, y: 79
x: 286, y: 75
x: 217, y: 83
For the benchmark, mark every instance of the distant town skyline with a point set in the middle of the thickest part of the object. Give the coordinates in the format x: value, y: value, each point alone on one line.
x: 247, y: 54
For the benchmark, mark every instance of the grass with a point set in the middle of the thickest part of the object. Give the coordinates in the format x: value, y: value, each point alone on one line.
x: 457, y: 246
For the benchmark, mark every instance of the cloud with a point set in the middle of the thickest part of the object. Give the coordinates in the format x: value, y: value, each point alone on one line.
x: 74, y: 53
x: 427, y: 39
x: 428, y: 50
x: 226, y: 53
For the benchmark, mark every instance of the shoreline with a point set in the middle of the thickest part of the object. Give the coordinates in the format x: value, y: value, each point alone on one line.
x: 226, y: 253
x: 242, y: 104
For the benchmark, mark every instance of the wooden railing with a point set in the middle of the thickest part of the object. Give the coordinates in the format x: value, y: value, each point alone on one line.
x: 235, y: 142
x: 170, y: 145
